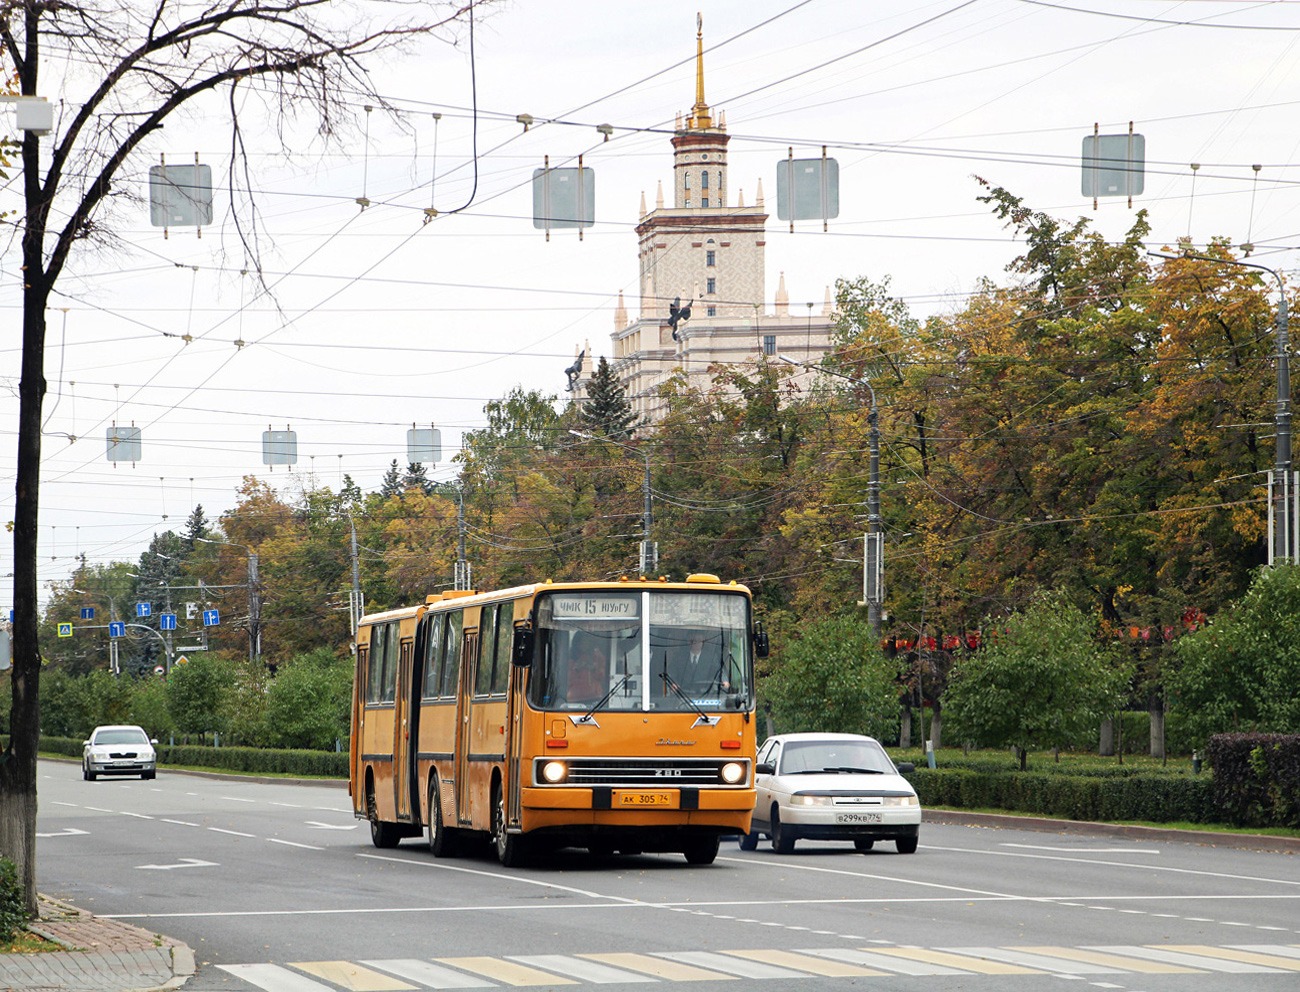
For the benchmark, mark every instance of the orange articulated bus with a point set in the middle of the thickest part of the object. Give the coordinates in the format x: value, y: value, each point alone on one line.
x: 616, y: 716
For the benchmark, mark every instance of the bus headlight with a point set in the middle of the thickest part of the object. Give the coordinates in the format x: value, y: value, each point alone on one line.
x: 554, y: 771
x: 732, y: 772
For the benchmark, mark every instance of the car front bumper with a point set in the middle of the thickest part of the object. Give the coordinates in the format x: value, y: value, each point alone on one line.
x: 830, y: 823
x: 109, y: 766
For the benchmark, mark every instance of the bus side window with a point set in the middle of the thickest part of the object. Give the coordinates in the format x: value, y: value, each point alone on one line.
x: 375, y: 669
x: 433, y: 658
x: 505, y: 645
x: 487, y: 641
x: 451, y: 654
x: 392, y: 641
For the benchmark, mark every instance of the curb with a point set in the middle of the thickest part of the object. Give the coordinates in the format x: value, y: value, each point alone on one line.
x: 1204, y: 838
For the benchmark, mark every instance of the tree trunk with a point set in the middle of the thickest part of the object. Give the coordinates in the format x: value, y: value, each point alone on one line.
x: 936, y: 725
x: 1106, y: 744
x: 1156, y: 708
x: 905, y: 726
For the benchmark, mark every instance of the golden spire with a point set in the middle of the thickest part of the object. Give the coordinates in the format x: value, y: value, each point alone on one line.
x: 700, y: 112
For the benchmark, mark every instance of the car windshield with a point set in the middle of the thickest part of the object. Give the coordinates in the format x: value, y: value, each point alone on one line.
x: 615, y: 650
x: 809, y: 757
x: 121, y: 735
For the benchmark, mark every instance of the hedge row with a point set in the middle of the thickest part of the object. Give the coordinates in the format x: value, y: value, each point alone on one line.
x: 1153, y: 798
x: 1257, y: 778
x: 252, y: 760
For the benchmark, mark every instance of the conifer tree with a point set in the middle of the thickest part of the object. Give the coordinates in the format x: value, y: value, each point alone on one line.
x: 417, y: 478
x: 392, y: 487
x: 607, y: 410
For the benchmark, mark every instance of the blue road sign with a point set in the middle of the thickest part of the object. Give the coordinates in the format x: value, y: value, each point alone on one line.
x: 143, y: 609
x: 65, y: 630
x: 211, y: 618
x: 87, y: 613
x: 117, y: 630
x: 167, y: 621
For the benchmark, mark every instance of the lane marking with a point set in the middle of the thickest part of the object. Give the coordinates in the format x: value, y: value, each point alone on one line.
x: 1290, y: 951
x: 1111, y: 960
x: 883, y: 962
x: 1234, y: 954
x: 588, y: 971
x: 1028, y: 959
x: 669, y: 971
x: 68, y: 832
x: 273, y: 978
x: 184, y: 863
x: 294, y: 843
x: 236, y: 799
x: 1084, y: 850
x: 806, y: 962
x: 180, y: 823
x: 236, y: 833
x: 1200, y: 961
x: 353, y: 977
x: 791, y: 865
x: 739, y: 967
x: 142, y: 816
x: 506, y: 971
x: 979, y: 964
x: 331, y: 826
x: 429, y: 975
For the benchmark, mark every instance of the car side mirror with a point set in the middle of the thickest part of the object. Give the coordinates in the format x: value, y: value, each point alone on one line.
x: 153, y: 740
x: 85, y: 743
x: 765, y: 768
x: 522, y: 655
x: 906, y: 768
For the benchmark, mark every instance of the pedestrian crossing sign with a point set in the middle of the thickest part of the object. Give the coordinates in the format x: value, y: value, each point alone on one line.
x: 65, y: 630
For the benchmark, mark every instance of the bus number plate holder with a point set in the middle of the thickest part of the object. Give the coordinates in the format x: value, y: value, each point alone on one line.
x: 644, y: 799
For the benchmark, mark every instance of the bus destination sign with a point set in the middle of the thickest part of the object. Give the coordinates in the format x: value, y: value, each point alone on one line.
x: 594, y: 607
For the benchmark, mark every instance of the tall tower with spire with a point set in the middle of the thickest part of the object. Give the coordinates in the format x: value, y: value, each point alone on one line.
x: 706, y: 253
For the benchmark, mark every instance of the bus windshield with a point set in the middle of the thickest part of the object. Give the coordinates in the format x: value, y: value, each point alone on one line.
x: 674, y: 650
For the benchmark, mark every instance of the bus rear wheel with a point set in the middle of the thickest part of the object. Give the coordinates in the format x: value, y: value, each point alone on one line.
x: 381, y: 834
x: 511, y: 849
x: 442, y: 844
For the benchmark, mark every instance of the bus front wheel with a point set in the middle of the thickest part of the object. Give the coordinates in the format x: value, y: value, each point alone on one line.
x: 701, y: 851
x: 511, y: 849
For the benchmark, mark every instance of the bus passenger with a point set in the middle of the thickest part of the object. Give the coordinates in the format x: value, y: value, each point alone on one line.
x: 588, y: 673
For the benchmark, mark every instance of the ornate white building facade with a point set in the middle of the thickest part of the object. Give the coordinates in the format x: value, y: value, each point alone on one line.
x: 707, y: 253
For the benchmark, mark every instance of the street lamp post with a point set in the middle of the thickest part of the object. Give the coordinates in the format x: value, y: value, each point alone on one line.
x: 873, y: 557
x: 649, y: 553
x: 1284, y: 522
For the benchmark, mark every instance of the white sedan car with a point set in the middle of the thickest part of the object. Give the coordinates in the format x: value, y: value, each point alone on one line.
x: 831, y: 787
x: 118, y: 750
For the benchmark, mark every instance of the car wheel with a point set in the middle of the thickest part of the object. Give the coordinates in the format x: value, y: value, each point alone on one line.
x: 702, y: 851
x: 864, y: 845
x: 441, y: 842
x: 90, y: 776
x: 512, y: 849
x: 906, y: 845
x: 85, y: 772
x: 146, y: 776
x: 749, y: 841
x: 381, y: 834
x: 782, y: 836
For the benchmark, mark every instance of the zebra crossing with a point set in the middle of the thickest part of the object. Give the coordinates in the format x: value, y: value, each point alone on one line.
x: 628, y: 967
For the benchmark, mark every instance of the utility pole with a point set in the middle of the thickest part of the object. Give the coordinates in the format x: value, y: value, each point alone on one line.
x: 355, y: 608
x: 254, y: 611
x: 462, y: 577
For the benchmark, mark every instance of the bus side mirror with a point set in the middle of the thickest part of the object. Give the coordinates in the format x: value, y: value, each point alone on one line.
x: 760, y: 643
x: 522, y: 656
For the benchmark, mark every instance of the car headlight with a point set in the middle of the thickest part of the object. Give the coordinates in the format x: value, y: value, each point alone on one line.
x: 806, y: 800
x: 732, y: 772
x: 900, y: 801
x: 554, y: 772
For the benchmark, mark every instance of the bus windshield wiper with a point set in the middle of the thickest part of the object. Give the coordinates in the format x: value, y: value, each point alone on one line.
x: 672, y: 684
x: 850, y: 768
x: 587, y: 717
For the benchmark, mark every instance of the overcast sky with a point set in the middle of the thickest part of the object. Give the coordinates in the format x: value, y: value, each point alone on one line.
x: 380, y: 321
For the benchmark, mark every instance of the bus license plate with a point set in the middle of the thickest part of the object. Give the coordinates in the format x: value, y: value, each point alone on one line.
x: 858, y: 817
x: 645, y: 799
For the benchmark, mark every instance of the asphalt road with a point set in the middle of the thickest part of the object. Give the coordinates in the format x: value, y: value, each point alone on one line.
x: 277, y: 888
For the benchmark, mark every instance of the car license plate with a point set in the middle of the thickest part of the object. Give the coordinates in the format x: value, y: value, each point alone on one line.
x: 645, y: 799
x: 858, y: 817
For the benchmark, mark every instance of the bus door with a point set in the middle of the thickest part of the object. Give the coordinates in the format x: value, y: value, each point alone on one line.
x: 402, y: 731
x: 518, y: 680
x: 464, y: 738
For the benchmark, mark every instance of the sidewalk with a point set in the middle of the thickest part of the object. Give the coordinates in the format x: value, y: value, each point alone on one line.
x: 101, y: 956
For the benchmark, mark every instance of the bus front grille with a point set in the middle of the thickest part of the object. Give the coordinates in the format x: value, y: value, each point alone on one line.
x: 645, y: 773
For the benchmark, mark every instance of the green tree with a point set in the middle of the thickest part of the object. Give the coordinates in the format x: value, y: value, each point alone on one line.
x: 606, y: 410
x: 833, y: 678
x: 308, y: 701
x: 392, y: 487
x: 417, y: 477
x: 1039, y: 680
x: 1241, y: 671
x: 198, y: 694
